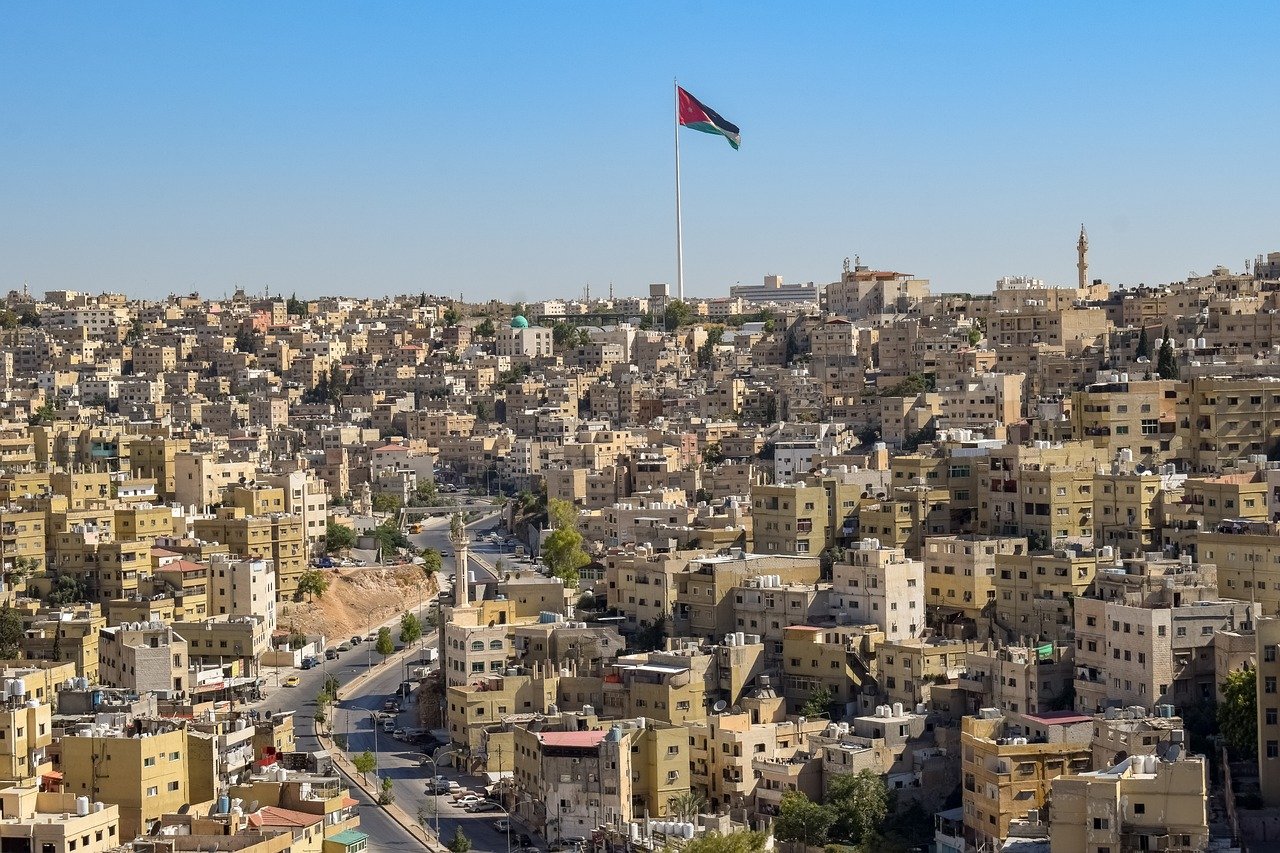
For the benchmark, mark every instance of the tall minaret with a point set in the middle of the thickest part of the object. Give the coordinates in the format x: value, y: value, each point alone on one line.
x: 1082, y: 249
x: 461, y: 584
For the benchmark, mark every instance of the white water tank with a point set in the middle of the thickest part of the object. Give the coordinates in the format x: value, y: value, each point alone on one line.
x: 740, y: 638
x: 82, y: 806
x: 897, y: 709
x: 588, y: 710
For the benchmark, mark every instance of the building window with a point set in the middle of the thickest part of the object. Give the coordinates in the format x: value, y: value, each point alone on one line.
x: 1273, y: 749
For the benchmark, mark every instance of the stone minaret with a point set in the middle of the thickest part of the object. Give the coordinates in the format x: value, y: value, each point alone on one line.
x: 461, y: 587
x: 1082, y: 249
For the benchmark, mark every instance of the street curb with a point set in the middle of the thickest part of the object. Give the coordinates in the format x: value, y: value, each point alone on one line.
x: 393, y: 811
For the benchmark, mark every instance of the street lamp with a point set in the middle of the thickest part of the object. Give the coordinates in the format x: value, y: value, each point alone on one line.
x: 434, y: 774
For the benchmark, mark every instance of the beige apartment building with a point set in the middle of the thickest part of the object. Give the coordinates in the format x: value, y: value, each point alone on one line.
x: 1268, y: 692
x: 277, y: 537
x: 705, y: 601
x: 1229, y: 419
x: 26, y: 732
x: 1035, y: 592
x: 1043, y: 491
x: 1016, y: 679
x: 1247, y: 557
x: 573, y: 781
x: 143, y: 657
x: 1130, y: 415
x: 879, y: 586
x: 1144, y: 637
x: 1145, y: 802
x: 837, y: 660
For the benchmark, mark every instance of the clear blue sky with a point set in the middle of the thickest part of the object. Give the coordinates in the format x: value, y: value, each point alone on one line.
x: 524, y: 150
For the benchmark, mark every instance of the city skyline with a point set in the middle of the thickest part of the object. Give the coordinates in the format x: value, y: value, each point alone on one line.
x: 525, y: 155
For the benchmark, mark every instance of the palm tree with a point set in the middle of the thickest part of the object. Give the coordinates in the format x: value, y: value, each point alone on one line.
x: 688, y: 805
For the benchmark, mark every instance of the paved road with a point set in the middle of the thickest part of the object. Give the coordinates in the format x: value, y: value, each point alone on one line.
x: 398, y: 761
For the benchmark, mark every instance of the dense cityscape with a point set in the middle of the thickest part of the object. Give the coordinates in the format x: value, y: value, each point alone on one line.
x: 853, y: 564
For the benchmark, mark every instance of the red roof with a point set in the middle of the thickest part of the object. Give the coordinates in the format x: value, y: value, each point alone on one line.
x: 1059, y: 718
x: 572, y: 738
x: 183, y: 566
x: 384, y: 448
x: 275, y: 816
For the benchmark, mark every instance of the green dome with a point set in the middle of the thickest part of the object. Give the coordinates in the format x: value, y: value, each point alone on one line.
x: 519, y: 322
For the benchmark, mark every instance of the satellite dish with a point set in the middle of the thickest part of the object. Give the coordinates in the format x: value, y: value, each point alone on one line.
x: 719, y: 706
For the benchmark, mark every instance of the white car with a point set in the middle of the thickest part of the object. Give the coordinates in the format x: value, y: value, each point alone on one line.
x: 468, y: 799
x: 502, y: 824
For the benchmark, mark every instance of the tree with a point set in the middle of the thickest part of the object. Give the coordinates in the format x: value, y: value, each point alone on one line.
x: 652, y: 636
x: 562, y: 549
x: 386, y: 795
x: 678, y: 314
x: 247, y: 341
x: 338, y: 537
x: 858, y: 803
x: 296, y: 307
x: 410, y: 628
x: 384, y: 502
x: 451, y: 316
x: 312, y: 583
x: 751, y: 841
x: 802, y: 820
x: 390, y: 537
x: 715, y: 335
x: 1167, y: 362
x: 43, y: 415
x: 10, y: 633
x: 485, y: 328
x: 1238, y: 712
x: 975, y: 336
x: 365, y: 762
x: 432, y: 561
x: 384, y: 646
x: 66, y: 589
x: 1144, y: 345
x: 688, y: 806
x: 818, y: 703
x: 459, y: 843
x: 562, y: 335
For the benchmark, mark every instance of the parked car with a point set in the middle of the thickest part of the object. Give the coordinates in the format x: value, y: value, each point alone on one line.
x: 292, y: 681
x: 389, y: 725
x: 345, y: 647
x: 502, y: 824
x: 355, y: 641
x: 484, y: 806
x: 390, y: 704
x: 307, y: 663
x: 398, y: 734
x: 468, y: 800
x: 330, y: 654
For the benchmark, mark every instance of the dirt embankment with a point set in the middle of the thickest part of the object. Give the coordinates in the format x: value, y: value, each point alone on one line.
x: 358, y: 598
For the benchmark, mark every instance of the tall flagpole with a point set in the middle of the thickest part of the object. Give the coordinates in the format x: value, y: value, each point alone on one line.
x: 679, y: 228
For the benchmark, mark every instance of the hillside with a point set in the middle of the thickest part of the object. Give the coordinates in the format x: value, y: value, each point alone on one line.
x: 358, y: 597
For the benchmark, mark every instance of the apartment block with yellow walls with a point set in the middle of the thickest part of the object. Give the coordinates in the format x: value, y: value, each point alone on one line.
x: 879, y: 585
x: 277, y: 537
x: 67, y: 634
x: 1008, y: 762
x: 54, y: 822
x: 1042, y: 490
x: 487, y: 699
x: 1035, y: 592
x: 907, y: 669
x: 108, y: 568
x: 668, y: 686
x: 1229, y: 419
x: 960, y: 572
x: 705, y: 603
x: 1130, y: 415
x: 153, y: 457
x: 790, y: 518
x: 1247, y: 557
x: 724, y: 745
x: 146, y: 777
x: 840, y: 661
x: 22, y: 541
x: 641, y: 583
x: 26, y: 732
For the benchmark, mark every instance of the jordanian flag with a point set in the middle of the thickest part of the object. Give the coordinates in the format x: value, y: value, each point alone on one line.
x: 696, y: 115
